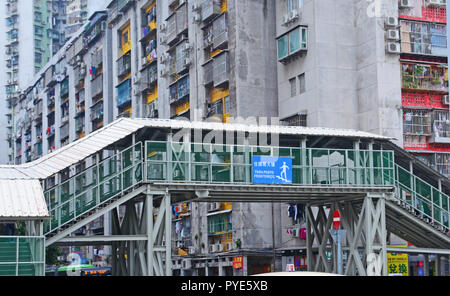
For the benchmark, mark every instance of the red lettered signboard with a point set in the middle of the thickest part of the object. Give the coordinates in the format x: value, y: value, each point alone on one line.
x: 238, y: 262
x: 336, y: 220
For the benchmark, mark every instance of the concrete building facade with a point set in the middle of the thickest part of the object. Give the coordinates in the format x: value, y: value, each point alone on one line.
x: 342, y: 64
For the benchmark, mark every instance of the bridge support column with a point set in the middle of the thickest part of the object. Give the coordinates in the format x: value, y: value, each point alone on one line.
x: 143, y: 257
x: 365, y: 242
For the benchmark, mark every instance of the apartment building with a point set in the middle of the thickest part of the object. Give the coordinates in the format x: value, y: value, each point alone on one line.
x: 376, y: 66
x: 424, y: 74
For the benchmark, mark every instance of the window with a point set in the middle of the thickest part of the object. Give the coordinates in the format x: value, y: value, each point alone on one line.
x: 294, y: 4
x: 296, y: 120
x: 37, y: 58
x: 293, y: 84
x: 292, y: 43
x: 283, y: 47
x: 302, y: 83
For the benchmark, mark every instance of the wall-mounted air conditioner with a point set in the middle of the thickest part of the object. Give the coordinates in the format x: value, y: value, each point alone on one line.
x: 393, y: 35
x: 212, y: 248
x: 393, y: 47
x: 405, y: 4
x: 186, y: 263
x: 293, y: 15
x: 285, y: 20
x: 446, y: 100
x: 391, y: 21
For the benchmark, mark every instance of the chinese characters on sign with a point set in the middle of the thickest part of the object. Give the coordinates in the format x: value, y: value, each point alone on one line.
x: 397, y: 263
x: 272, y: 170
x: 238, y: 262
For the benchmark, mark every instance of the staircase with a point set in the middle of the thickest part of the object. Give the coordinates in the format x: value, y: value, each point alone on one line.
x: 8, y: 257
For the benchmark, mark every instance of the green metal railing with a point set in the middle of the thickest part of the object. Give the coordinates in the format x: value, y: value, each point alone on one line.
x: 209, y: 163
x: 424, y: 199
x: 233, y: 164
x: 22, y: 256
x: 93, y: 187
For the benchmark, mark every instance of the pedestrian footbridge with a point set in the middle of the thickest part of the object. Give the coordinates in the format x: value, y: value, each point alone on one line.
x: 377, y: 187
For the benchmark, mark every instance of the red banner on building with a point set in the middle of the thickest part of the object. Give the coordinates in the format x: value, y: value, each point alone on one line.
x: 238, y: 262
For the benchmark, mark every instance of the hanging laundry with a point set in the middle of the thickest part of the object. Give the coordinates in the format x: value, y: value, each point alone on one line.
x: 303, y: 233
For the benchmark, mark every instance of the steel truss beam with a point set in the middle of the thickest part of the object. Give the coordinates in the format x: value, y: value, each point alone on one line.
x: 365, y: 237
x: 148, y: 257
x: 141, y: 245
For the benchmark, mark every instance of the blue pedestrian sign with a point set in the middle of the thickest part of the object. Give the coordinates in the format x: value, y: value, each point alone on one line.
x: 272, y: 170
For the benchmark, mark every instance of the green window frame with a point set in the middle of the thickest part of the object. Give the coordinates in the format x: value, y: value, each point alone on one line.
x: 293, y: 42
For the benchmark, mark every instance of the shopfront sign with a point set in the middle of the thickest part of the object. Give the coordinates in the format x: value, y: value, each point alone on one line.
x: 238, y: 262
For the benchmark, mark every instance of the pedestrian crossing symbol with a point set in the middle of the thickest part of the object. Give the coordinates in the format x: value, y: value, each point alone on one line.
x: 272, y: 170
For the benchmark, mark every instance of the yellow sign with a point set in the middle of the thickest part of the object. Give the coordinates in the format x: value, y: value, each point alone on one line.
x: 397, y: 263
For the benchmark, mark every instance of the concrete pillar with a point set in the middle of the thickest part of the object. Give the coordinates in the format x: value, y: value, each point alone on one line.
x: 438, y: 265
x: 426, y: 265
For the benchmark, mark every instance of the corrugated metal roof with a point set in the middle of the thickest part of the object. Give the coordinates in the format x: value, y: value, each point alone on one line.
x: 22, y: 199
x: 77, y: 151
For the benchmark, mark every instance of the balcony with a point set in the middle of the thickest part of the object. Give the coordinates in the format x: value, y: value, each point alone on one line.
x: 424, y: 77
x: 292, y: 44
x: 182, y: 57
x: 124, y: 65
x: 97, y: 112
x: 210, y: 9
x: 171, y: 31
x: 64, y: 131
x: 97, y: 86
x: 423, y: 38
x: 124, y: 93
x: 182, y: 18
x: 220, y: 32
x: 221, y: 69
x: 149, y: 77
x: 208, y: 72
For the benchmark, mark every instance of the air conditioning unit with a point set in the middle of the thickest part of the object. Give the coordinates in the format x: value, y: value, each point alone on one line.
x: 187, y: 61
x: 191, y: 250
x: 187, y: 46
x: 164, y: 72
x: 179, y: 244
x: 197, y: 18
x: 162, y: 39
x: 405, y: 4
x: 293, y: 15
x: 220, y: 247
x: 230, y: 246
x: 196, y: 7
x: 435, y: 3
x: 164, y: 57
x: 212, y: 248
x: 393, y: 47
x: 214, y: 206
x: 445, y: 100
x: 186, y: 263
x: 391, y: 21
x: 392, y: 35
x: 162, y: 27
x: 285, y: 20
x: 135, y: 79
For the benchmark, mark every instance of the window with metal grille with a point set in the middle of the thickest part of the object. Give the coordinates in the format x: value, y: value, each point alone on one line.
x: 416, y: 122
x: 296, y: 120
